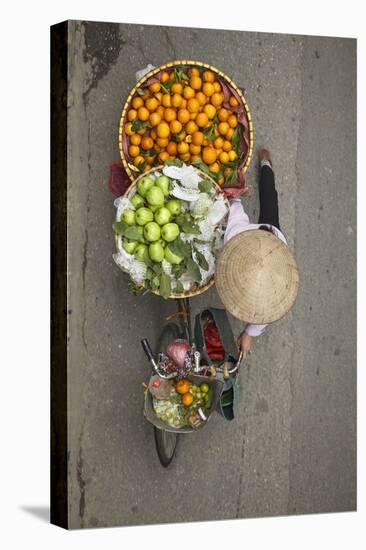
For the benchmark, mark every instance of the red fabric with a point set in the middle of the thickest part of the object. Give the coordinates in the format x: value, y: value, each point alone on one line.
x: 119, y: 181
x: 234, y: 192
x: 214, y: 346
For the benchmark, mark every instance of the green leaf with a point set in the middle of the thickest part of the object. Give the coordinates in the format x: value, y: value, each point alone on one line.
x: 135, y: 289
x: 140, y: 91
x: 236, y: 139
x: 174, y: 162
x: 139, y: 124
x: 180, y: 248
x: 165, y: 86
x: 165, y: 286
x: 193, y: 270
x: 205, y: 186
x: 215, y: 120
x: 179, y: 269
x: 201, y: 260
x: 120, y: 227
x: 231, y: 178
x: 149, y: 153
x: 192, y: 228
x: 209, y: 134
x: 147, y: 259
x: 131, y: 232
x: 155, y: 282
x: 179, y: 287
x: 149, y: 274
x: 202, y: 166
x: 157, y: 269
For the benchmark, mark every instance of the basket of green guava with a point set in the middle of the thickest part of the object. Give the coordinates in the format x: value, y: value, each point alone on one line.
x: 169, y: 230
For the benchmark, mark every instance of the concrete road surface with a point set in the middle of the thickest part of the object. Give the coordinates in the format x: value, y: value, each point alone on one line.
x: 292, y: 447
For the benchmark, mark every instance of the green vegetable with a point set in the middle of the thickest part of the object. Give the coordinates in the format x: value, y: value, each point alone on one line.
x: 165, y: 286
x: 193, y: 270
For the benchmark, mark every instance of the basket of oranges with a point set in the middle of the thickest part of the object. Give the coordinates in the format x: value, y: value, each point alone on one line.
x: 190, y: 111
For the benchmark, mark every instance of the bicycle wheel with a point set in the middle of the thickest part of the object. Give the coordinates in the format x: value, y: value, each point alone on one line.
x: 166, y: 442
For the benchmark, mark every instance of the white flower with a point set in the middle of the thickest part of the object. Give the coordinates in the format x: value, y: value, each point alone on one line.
x: 187, y: 175
x: 217, y: 211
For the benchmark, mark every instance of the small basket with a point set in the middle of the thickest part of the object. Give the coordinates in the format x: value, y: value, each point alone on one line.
x: 216, y: 386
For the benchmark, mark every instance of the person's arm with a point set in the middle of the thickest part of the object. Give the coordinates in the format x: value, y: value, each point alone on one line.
x: 237, y: 220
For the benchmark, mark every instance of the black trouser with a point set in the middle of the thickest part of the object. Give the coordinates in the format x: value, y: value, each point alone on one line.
x: 268, y: 198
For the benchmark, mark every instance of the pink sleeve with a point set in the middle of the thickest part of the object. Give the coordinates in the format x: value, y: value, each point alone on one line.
x: 237, y: 221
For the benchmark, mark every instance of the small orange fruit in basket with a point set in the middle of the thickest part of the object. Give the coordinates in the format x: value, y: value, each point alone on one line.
x: 195, y: 82
x: 233, y: 101
x: 183, y: 386
x: 208, y: 76
x: 208, y: 89
x: 209, y: 155
x: 187, y: 399
x: 137, y: 102
x: 163, y: 130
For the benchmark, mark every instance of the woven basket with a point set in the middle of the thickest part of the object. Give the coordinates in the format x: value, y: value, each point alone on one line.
x: 211, y: 281
x: 131, y: 170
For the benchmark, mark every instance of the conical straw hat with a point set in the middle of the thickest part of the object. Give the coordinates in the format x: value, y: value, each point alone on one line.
x: 257, y: 277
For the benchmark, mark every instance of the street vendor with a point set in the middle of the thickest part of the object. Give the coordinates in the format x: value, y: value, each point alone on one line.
x: 256, y: 275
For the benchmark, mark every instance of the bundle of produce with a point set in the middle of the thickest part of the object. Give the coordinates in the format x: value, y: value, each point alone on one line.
x: 168, y: 230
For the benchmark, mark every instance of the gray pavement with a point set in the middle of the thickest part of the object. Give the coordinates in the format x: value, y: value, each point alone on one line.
x: 292, y: 447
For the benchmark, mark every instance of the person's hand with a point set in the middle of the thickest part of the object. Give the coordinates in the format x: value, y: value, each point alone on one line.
x: 245, y: 342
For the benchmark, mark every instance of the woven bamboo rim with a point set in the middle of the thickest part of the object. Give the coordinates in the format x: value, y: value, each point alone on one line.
x: 131, y: 170
x: 257, y: 277
x: 211, y: 281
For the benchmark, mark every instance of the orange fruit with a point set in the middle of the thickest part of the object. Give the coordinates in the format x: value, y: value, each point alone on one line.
x: 183, y: 116
x: 217, y: 86
x: 143, y: 113
x: 154, y: 119
x: 166, y: 100
x: 223, y: 114
x: 182, y: 147
x: 160, y: 111
x: 208, y: 89
x: 154, y: 87
x: 232, y: 155
x: 201, y: 98
x: 146, y: 168
x: 187, y: 399
x: 191, y: 127
x: 134, y: 150
x: 137, y: 102
x: 193, y: 116
x: 233, y: 121
x: 202, y: 120
x: 142, y: 131
x: 194, y: 158
x: 175, y: 126
x: 138, y: 160
x: 185, y: 157
x: 208, y: 76
x: 194, y: 149
x: 183, y: 105
x: 176, y: 100
x: 229, y: 134
x: 150, y: 160
x: 188, y: 139
x: 164, y: 77
x: 152, y: 104
x: 233, y: 101
x: 195, y: 82
x: 224, y: 157
x: 147, y: 143
x: 193, y: 105
x: 182, y: 386
x: 177, y: 88
x: 197, y: 138
x: 163, y: 130
x: 209, y: 155
x: 221, y: 181
x: 181, y: 135
x: 227, y: 145
x: 227, y: 171
x: 162, y: 142
x: 218, y: 143
x: 223, y: 128
x: 209, y: 110
x: 131, y: 115
x: 218, y: 151
x: 188, y: 92
x: 205, y: 142
x: 170, y: 114
x: 216, y: 99
x: 163, y: 156
x: 135, y: 139
x: 159, y: 96
x: 214, y: 168
x: 128, y: 129
x: 153, y: 134
x: 172, y: 148
x: 194, y: 71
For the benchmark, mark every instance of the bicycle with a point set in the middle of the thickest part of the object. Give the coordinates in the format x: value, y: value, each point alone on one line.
x: 166, y: 440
